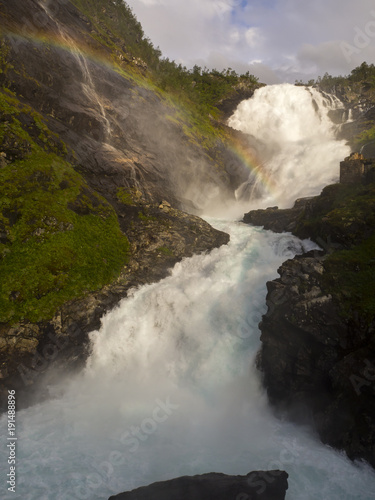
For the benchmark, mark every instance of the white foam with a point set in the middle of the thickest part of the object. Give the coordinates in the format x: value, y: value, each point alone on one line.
x: 295, y: 139
x: 170, y: 389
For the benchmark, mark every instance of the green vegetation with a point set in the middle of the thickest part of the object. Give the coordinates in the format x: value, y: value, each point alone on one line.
x: 124, y: 196
x: 118, y: 29
x: 345, y: 214
x: 350, y: 276
x: 364, y: 74
x: 146, y: 218
x: 205, y: 88
x: 165, y: 251
x: 199, y: 89
x: 365, y: 137
x: 58, y: 238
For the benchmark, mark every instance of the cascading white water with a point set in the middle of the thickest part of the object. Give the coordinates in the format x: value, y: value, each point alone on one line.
x: 88, y: 85
x: 294, y: 138
x: 170, y: 389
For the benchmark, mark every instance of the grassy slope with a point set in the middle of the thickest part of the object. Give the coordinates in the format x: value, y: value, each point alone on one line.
x: 193, y: 93
x: 58, y: 238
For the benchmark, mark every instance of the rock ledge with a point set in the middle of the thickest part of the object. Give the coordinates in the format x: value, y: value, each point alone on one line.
x: 259, y: 485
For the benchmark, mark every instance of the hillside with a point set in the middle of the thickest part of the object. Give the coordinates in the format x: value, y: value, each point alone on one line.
x: 102, y: 144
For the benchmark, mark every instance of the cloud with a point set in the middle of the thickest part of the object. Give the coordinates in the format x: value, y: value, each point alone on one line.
x: 291, y: 38
x: 253, y: 37
x: 336, y: 57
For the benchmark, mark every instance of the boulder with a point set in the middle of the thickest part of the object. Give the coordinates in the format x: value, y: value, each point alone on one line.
x: 278, y: 220
x: 259, y: 485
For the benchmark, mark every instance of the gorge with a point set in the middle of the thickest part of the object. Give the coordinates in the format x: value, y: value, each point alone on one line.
x: 153, y: 374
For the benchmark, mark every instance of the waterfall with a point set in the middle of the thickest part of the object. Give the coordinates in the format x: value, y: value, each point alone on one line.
x: 291, y: 130
x: 90, y: 91
x: 170, y: 387
x: 88, y: 85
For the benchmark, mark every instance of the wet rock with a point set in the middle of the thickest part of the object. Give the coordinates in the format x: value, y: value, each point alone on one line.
x: 259, y: 485
x: 164, y: 206
x: 319, y: 367
x: 279, y: 220
x: 318, y: 350
x: 121, y: 133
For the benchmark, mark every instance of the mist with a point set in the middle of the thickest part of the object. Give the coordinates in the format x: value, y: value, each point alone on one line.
x: 298, y: 153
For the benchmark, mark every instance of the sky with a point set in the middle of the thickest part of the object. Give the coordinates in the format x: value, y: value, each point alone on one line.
x: 276, y: 40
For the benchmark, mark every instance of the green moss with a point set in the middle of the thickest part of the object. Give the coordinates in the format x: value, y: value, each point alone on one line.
x: 124, y: 196
x: 59, y: 239
x: 146, y: 218
x: 350, y: 276
x: 5, y: 64
x: 165, y: 251
x: 344, y: 212
x: 21, y: 122
x: 365, y: 137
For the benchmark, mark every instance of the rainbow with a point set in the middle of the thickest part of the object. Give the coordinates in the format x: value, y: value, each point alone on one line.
x: 243, y: 152
x: 58, y: 41
x: 248, y: 158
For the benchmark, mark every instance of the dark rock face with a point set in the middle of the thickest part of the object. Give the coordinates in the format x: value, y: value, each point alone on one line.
x: 318, y: 366
x: 340, y: 217
x: 318, y: 346
x: 358, y: 100
x: 260, y: 485
x: 228, y: 105
x: 122, y: 133
x: 278, y: 220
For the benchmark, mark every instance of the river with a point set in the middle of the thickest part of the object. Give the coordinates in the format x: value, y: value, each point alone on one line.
x: 170, y: 387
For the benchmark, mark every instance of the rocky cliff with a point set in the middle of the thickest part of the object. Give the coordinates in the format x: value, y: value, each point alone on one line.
x: 318, y: 345
x: 357, y: 93
x: 96, y: 164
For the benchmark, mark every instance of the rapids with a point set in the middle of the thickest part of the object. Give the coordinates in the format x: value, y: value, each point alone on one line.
x: 170, y: 386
